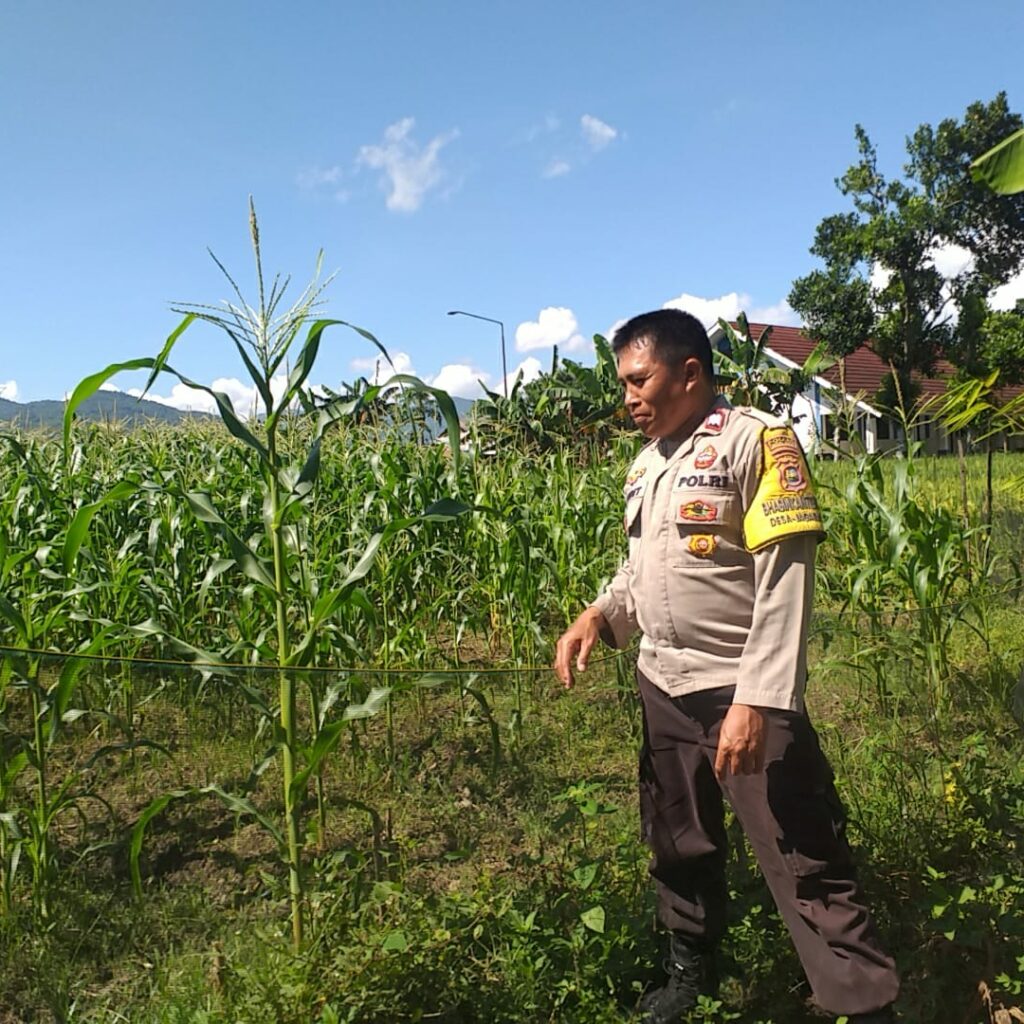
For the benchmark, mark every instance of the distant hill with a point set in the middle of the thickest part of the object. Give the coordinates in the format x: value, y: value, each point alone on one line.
x: 462, y: 407
x: 115, y: 406
x: 104, y: 406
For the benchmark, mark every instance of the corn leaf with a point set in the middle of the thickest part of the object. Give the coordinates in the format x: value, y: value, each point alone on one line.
x: 88, y: 386
x: 79, y: 528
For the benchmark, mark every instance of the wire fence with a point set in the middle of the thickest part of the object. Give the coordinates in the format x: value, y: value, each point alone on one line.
x: 823, y: 622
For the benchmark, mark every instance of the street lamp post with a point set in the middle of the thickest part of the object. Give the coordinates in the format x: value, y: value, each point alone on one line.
x: 490, y: 320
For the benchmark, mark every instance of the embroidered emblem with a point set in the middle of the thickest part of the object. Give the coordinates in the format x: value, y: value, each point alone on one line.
x: 716, y: 421
x: 698, y: 511
x: 703, y: 545
x: 635, y: 475
x: 784, y: 450
x: 792, y: 478
x: 706, y: 457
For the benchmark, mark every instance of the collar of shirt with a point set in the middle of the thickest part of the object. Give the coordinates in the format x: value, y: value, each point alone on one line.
x: 668, y: 446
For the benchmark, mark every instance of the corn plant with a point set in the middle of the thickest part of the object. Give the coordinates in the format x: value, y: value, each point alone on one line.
x: 274, y: 555
x: 898, y: 558
x: 37, y: 606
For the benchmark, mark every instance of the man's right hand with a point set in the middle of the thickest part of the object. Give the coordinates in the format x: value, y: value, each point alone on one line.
x: 576, y: 643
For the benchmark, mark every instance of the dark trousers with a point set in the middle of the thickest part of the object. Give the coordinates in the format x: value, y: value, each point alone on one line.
x: 795, y: 822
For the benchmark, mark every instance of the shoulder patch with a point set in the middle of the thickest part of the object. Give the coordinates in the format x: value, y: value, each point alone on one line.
x: 784, y: 504
x: 716, y: 420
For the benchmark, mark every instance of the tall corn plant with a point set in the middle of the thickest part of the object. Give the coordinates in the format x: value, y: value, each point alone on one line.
x: 38, y: 603
x: 974, y: 404
x: 265, y: 336
x: 901, y: 561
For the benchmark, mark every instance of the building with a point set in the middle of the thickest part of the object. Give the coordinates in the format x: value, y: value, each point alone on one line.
x: 858, y: 377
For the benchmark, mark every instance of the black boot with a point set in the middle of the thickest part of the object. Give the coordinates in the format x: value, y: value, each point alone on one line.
x: 691, y: 973
x: 883, y: 1016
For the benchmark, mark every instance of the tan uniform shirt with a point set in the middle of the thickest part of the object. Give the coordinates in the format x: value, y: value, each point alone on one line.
x: 720, y: 574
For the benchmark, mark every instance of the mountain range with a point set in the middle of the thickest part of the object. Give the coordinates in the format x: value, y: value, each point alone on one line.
x: 108, y: 406
x: 115, y: 406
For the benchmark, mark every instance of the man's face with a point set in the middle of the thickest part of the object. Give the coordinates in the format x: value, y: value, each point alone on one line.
x: 660, y: 398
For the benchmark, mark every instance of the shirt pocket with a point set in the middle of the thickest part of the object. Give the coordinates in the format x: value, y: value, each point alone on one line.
x: 706, y: 523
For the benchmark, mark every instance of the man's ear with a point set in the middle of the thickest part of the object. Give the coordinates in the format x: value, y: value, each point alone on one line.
x: 693, y: 371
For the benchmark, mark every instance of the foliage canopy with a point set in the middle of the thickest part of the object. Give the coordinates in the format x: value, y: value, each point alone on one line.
x: 882, y: 277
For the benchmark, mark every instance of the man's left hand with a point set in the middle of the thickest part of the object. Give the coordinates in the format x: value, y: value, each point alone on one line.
x: 740, y: 742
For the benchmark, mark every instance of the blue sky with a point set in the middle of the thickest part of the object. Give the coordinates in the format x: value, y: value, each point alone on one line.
x: 591, y: 160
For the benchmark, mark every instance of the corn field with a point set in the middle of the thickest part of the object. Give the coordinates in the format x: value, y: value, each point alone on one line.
x: 278, y: 740
x: 142, y: 698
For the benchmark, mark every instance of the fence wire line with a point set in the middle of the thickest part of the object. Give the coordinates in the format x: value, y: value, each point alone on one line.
x: 241, y: 666
x: 816, y: 629
x: 834, y: 618
x: 893, y: 613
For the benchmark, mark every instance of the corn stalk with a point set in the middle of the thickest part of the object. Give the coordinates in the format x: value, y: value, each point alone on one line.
x: 272, y: 556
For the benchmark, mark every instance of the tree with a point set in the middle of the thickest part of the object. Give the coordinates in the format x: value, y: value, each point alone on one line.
x: 1002, y: 343
x: 880, y: 279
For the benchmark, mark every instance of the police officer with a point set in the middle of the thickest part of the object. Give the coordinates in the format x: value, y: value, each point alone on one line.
x: 722, y: 524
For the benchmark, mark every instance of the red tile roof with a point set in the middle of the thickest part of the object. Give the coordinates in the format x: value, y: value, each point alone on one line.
x: 863, y: 370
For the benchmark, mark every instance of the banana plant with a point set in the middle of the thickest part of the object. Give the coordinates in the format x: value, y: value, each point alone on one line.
x: 1002, y: 167
x: 752, y: 378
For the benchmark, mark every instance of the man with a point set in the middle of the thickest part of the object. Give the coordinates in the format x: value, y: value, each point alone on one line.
x: 723, y: 525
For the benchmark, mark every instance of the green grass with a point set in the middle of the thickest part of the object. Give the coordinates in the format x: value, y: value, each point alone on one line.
x: 505, y: 813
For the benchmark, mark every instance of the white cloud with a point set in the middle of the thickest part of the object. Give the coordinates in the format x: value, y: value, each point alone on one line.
x: 556, y: 325
x: 880, y: 277
x: 551, y: 123
x: 245, y: 398
x: 9, y: 390
x: 727, y: 306
x: 596, y: 132
x: 951, y: 260
x: 1006, y: 296
x: 466, y: 381
x: 948, y: 259
x: 530, y: 368
x: 610, y: 333
x: 324, y: 179
x: 401, y: 361
x: 409, y: 171
x: 316, y: 177
x: 782, y: 314
x: 707, y: 311
x: 556, y: 169
x: 460, y: 379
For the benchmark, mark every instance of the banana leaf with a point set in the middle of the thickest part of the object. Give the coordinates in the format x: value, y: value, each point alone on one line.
x: 1002, y: 167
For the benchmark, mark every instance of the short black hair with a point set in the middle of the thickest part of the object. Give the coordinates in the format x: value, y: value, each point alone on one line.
x: 674, y: 334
